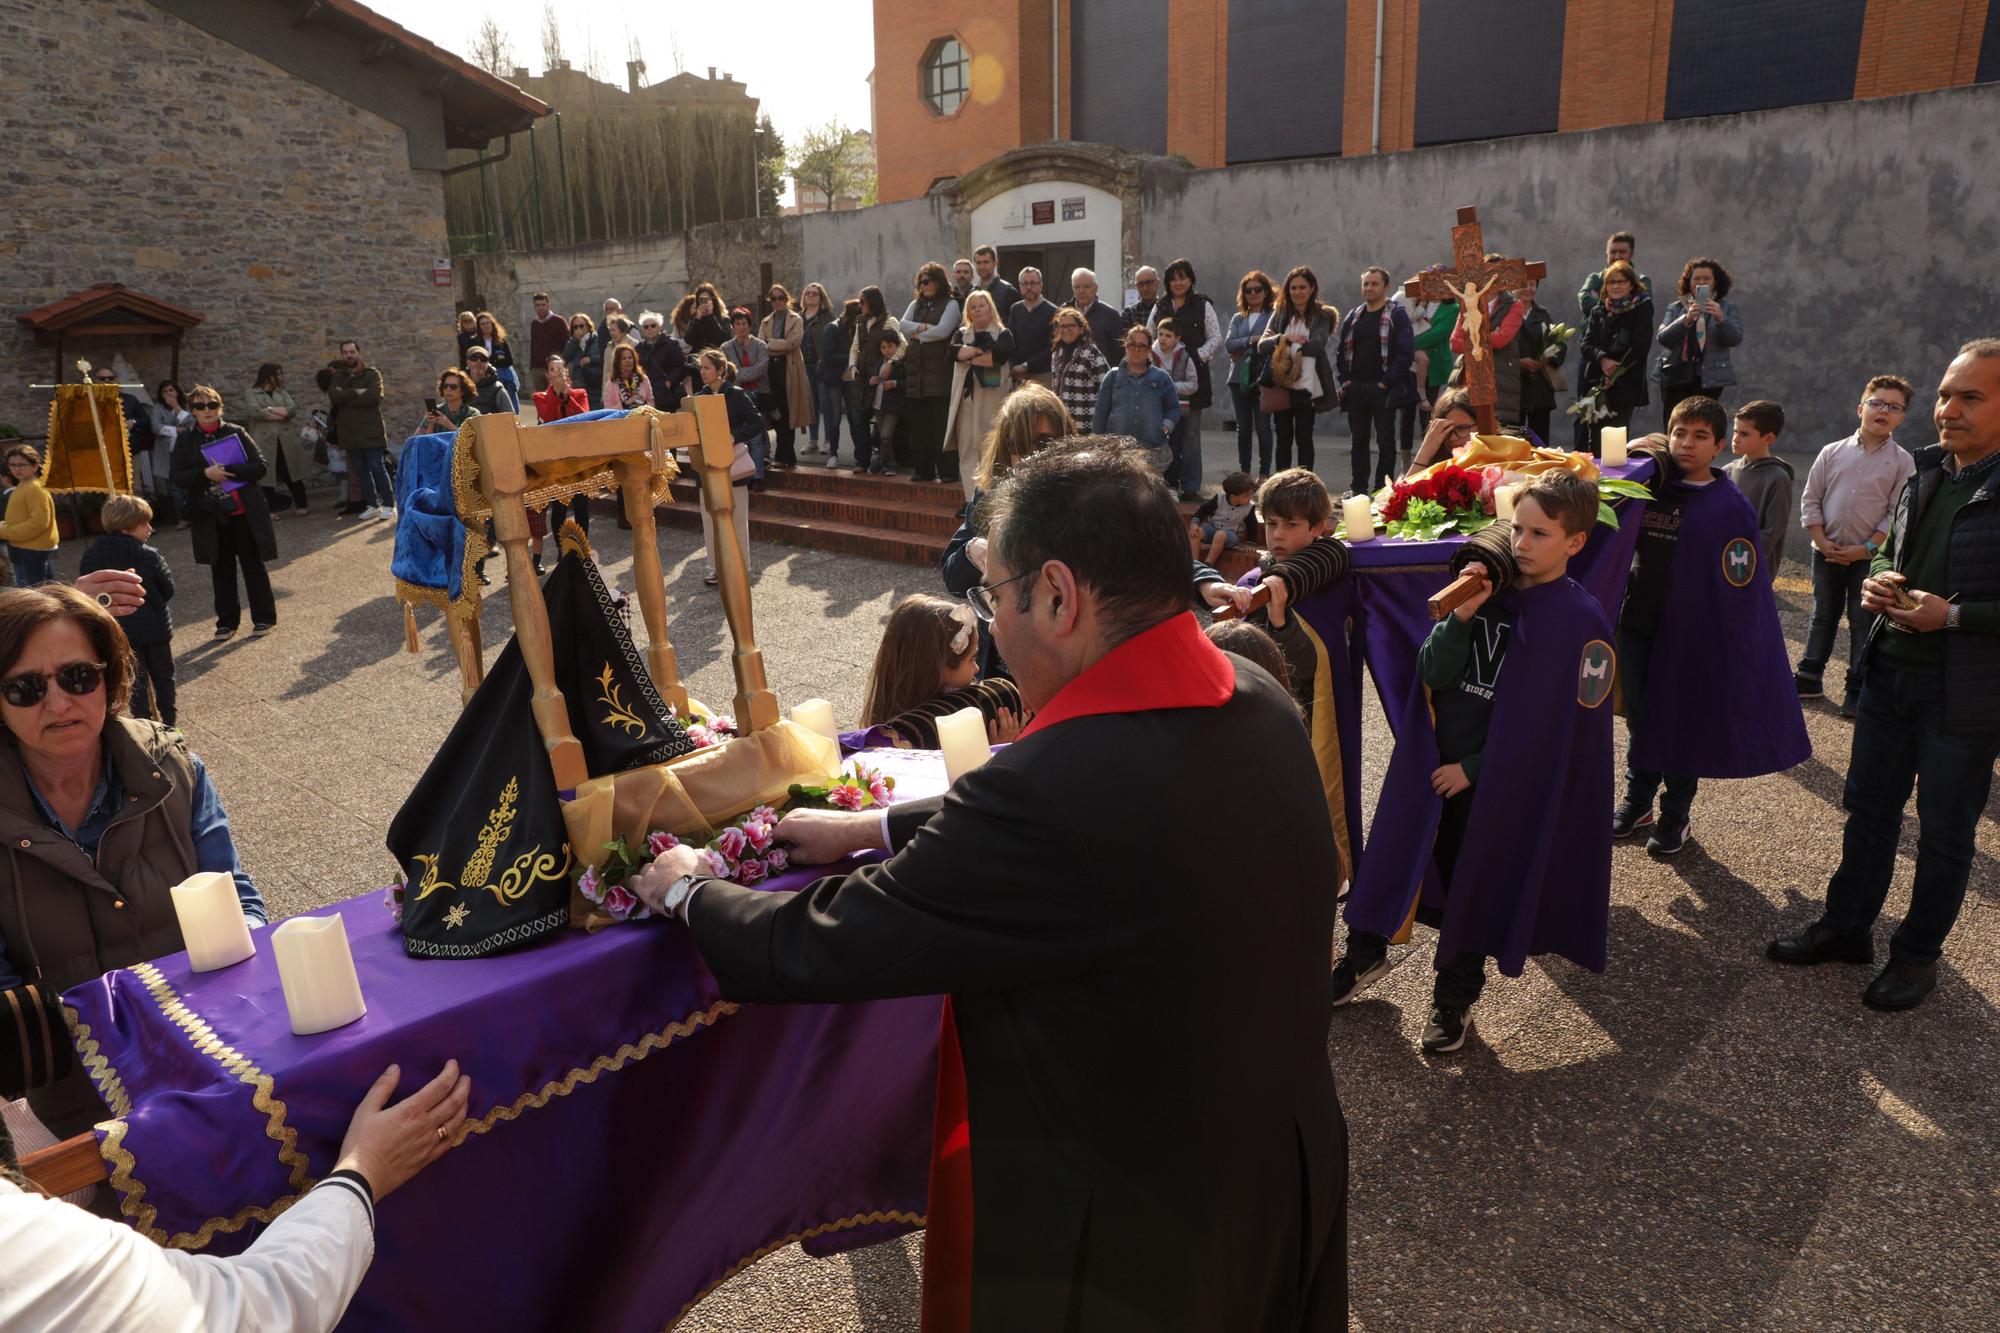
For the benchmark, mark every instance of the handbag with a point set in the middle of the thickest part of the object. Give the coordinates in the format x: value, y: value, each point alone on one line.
x: 1271, y: 399
x: 742, y: 466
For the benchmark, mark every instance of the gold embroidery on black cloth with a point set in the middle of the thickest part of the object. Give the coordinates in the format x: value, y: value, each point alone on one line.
x: 499, y: 823
x: 620, y: 715
x: 530, y: 868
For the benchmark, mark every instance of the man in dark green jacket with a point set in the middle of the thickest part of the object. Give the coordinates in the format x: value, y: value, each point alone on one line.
x: 1929, y: 714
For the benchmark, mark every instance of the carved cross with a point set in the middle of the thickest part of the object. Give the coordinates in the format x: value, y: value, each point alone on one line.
x: 1471, y: 281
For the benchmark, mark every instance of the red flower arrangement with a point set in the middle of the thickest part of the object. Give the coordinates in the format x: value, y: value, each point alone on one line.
x: 1451, y: 486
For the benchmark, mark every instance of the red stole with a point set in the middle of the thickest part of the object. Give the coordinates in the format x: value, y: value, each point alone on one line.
x: 1171, y: 665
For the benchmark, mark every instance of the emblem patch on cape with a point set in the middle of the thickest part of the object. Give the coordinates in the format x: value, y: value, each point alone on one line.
x: 1739, y: 561
x: 1595, y: 673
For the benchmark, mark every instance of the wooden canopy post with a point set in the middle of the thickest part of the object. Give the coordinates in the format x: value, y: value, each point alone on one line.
x: 756, y: 706
x: 1469, y: 280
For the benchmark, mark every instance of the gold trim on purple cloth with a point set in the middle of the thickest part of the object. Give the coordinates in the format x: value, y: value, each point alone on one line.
x: 603, y: 1064
x: 874, y: 1219
x: 124, y: 1166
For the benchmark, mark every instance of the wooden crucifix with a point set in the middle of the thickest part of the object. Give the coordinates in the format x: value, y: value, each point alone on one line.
x: 1471, y: 280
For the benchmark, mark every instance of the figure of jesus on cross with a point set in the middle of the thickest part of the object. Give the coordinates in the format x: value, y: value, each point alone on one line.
x: 1471, y: 281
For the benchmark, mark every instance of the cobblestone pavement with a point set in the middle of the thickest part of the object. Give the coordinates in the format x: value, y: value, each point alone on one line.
x: 1695, y: 1139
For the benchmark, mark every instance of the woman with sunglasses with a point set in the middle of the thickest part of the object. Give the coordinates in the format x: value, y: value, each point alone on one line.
x: 784, y: 335
x: 1246, y: 327
x: 229, y: 526
x: 1076, y: 364
x: 102, y: 814
x: 29, y: 528
x: 584, y: 355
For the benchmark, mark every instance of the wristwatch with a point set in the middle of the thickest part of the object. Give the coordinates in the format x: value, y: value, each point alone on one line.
x: 674, y: 902
x: 1951, y: 616
x: 1873, y: 547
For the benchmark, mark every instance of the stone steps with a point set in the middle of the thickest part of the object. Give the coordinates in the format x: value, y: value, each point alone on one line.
x: 836, y: 509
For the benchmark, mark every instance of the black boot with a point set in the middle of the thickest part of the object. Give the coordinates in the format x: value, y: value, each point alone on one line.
x: 1821, y: 943
x: 1900, y: 986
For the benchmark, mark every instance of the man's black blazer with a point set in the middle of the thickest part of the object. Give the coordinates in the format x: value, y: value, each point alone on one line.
x: 1142, y: 1004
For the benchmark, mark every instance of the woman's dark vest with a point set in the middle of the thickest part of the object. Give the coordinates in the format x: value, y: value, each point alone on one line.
x: 927, y: 365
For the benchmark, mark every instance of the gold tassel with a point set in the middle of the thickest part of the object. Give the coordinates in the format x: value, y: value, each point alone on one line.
x: 409, y: 627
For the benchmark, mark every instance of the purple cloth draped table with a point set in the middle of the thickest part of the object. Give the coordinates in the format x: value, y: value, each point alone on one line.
x: 1383, y: 606
x: 632, y: 1139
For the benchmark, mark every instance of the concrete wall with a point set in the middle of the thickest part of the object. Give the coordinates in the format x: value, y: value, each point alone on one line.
x: 883, y: 245
x: 643, y: 274
x: 286, y: 215
x: 1861, y: 235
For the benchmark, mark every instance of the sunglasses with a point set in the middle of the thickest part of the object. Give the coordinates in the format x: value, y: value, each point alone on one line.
x: 470, y: 359
x: 205, y: 405
x: 30, y: 687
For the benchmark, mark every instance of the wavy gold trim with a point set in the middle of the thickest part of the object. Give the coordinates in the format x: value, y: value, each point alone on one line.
x: 844, y: 1224
x: 603, y: 1064
x: 95, y: 1063
x: 132, y: 1191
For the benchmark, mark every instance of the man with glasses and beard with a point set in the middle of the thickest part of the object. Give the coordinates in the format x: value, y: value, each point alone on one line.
x: 1135, y: 1161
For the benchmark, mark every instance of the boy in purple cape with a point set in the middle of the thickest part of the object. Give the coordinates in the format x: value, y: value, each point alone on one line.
x: 1488, y: 826
x: 1703, y: 670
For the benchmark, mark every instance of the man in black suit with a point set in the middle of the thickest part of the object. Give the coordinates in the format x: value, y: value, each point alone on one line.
x: 1146, y: 279
x: 1155, y: 1137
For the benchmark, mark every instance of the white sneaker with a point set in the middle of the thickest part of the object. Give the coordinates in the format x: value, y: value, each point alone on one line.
x: 368, y: 515
x: 833, y: 460
x: 388, y: 512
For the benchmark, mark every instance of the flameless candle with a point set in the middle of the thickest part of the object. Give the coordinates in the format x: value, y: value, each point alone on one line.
x: 962, y: 737
x: 1358, y: 518
x: 817, y: 714
x: 1611, y: 446
x: 212, y: 921
x: 317, y: 970
x: 1503, y: 503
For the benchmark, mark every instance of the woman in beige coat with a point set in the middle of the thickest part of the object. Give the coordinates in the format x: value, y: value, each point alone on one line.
x: 276, y: 413
x: 784, y: 332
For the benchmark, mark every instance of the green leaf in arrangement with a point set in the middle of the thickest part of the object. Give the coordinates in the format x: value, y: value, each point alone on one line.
x: 1607, y: 515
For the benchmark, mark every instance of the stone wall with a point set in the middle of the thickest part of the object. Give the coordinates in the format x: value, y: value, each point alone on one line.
x: 883, y: 245
x: 146, y: 152
x: 643, y: 274
x: 1860, y: 234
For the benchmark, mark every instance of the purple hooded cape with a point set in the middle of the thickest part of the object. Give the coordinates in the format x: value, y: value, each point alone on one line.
x: 1720, y: 702
x: 1534, y: 875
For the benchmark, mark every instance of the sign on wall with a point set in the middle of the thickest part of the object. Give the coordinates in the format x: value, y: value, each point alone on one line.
x: 1044, y: 211
x: 1073, y: 209
x: 441, y: 273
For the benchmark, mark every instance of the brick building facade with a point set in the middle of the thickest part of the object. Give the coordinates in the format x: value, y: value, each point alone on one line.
x: 281, y: 179
x: 1223, y: 82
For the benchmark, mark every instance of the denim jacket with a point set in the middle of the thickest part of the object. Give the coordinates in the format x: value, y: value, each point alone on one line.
x: 1143, y: 407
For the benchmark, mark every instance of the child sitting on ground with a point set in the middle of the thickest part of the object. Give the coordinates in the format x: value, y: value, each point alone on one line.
x: 128, y: 526
x: 1485, y: 827
x: 1223, y: 520
x: 926, y: 669
x: 1764, y: 479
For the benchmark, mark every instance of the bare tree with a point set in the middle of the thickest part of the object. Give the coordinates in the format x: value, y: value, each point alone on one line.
x: 826, y: 160
x: 491, y: 50
x: 552, y: 47
x: 675, y: 54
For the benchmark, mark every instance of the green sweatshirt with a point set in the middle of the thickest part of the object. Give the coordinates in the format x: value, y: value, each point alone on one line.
x: 1928, y: 570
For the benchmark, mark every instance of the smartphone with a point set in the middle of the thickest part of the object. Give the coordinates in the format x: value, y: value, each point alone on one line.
x: 430, y: 405
x: 1703, y: 294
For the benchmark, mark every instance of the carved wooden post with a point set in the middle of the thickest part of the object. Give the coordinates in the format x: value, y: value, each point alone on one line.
x: 756, y: 705
x: 503, y: 479
x: 635, y: 480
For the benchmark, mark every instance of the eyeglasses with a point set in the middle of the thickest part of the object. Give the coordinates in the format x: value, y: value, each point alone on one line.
x: 1884, y: 405
x: 205, y: 405
x: 980, y: 596
x: 30, y: 687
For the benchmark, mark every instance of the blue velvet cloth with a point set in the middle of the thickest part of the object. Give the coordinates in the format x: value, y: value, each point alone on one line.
x: 430, y: 534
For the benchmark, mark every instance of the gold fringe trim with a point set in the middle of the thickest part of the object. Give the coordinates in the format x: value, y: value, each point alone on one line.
x: 1326, y: 749
x: 109, y: 1086
x: 629, y: 1053
x: 96, y: 394
x: 810, y: 1233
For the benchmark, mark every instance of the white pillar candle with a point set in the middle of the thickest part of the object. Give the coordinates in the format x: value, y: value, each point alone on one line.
x: 317, y: 970
x: 1358, y: 517
x: 962, y: 737
x: 1503, y: 503
x: 817, y: 714
x: 212, y: 922
x: 1611, y: 446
